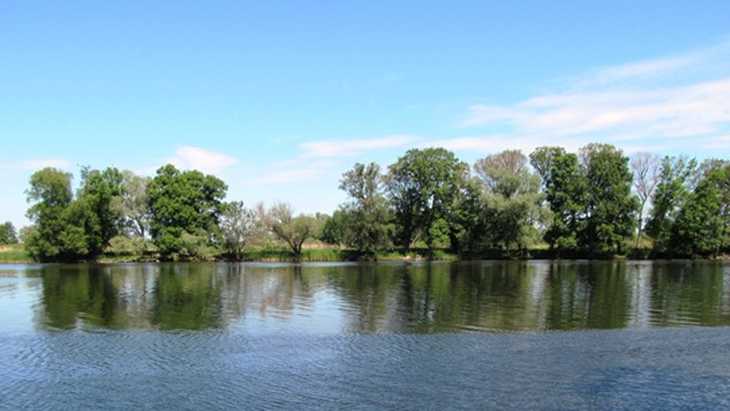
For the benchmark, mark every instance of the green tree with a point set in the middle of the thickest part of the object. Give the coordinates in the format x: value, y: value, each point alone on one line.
x: 238, y: 225
x: 611, y: 206
x: 333, y: 229
x: 8, y: 234
x: 470, y: 219
x: 55, y: 235
x: 676, y: 181
x: 423, y: 187
x: 542, y: 160
x: 566, y: 193
x: 701, y: 227
x: 368, y: 228
x: 68, y: 229
x: 294, y: 231
x: 184, y: 204
x: 97, y: 207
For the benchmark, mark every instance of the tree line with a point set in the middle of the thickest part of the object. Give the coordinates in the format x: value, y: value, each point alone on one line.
x: 595, y: 202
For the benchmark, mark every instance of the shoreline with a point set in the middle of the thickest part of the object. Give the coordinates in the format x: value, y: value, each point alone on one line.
x: 17, y: 255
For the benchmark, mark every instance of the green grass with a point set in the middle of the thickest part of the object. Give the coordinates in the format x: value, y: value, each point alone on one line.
x: 14, y: 254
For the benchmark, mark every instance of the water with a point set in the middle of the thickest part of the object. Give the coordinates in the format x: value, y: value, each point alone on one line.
x: 572, y: 335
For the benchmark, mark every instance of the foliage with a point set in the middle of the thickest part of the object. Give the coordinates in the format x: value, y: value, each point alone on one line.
x: 122, y: 245
x: 50, y: 193
x: 610, y: 206
x: 580, y: 204
x: 98, y: 207
x: 675, y: 182
x: 513, y: 200
x: 294, y: 231
x: 566, y: 194
x: 8, y: 234
x: 368, y: 228
x: 238, y: 225
x: 70, y: 229
x: 333, y: 228
x: 423, y: 187
x: 184, y: 205
x: 469, y: 223
x: 542, y: 160
x: 702, y: 225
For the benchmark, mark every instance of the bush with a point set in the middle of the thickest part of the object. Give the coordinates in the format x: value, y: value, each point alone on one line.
x: 129, y: 246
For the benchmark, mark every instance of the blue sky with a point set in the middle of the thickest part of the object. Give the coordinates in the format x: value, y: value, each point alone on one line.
x: 279, y: 98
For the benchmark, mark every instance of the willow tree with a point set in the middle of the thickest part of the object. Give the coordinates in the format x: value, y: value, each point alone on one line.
x: 291, y: 229
x: 513, y: 199
x: 368, y: 227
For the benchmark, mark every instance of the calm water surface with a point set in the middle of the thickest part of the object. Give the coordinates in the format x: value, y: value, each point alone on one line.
x: 650, y: 335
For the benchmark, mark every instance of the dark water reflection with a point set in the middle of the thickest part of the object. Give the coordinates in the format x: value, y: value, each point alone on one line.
x: 349, y: 298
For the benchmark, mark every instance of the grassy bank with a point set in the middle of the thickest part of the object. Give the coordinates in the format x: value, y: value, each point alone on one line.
x: 17, y: 254
x: 14, y: 254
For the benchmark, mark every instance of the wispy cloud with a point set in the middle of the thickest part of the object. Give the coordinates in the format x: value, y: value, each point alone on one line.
x: 684, y: 111
x: 196, y: 158
x: 295, y: 171
x: 601, y: 106
x: 340, y: 148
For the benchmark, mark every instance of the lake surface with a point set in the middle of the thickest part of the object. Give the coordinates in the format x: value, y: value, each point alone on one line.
x: 569, y: 335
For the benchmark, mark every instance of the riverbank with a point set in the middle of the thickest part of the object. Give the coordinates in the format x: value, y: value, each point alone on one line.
x: 14, y: 254
x: 17, y: 254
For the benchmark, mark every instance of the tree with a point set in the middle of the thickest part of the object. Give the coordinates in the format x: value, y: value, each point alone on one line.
x: 513, y: 199
x: 135, y: 203
x: 566, y: 193
x: 98, y: 207
x: 238, y: 225
x: 71, y: 229
x: 470, y: 219
x: 611, y: 207
x: 333, y: 229
x: 645, y: 167
x: 50, y: 193
x: 182, y: 203
x: 423, y: 187
x: 542, y: 160
x: 701, y: 227
x: 294, y: 231
x: 507, y: 174
x: 368, y: 228
x: 677, y: 176
x: 8, y: 234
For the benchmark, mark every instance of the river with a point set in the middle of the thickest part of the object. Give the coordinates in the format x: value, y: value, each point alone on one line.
x: 468, y: 335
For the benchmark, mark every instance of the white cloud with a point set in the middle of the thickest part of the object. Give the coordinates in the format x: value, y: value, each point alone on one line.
x: 340, y: 148
x: 196, y: 158
x: 684, y: 111
x: 661, y: 105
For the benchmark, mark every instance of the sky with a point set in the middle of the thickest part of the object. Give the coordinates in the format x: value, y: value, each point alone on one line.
x: 280, y: 98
